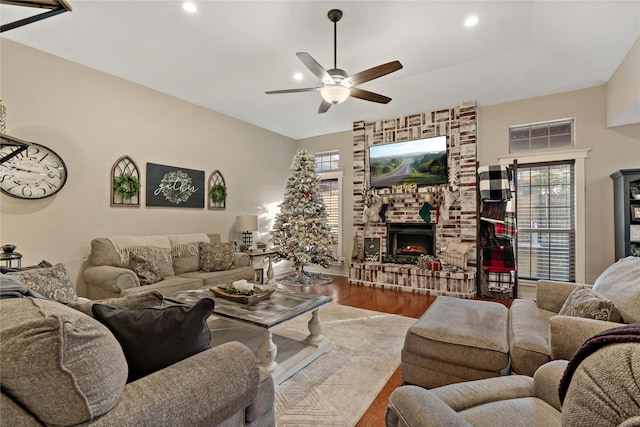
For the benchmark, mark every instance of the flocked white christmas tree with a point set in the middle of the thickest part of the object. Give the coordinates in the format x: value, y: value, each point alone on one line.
x: 301, y: 232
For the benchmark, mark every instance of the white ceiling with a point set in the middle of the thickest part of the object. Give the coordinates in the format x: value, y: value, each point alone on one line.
x: 225, y: 56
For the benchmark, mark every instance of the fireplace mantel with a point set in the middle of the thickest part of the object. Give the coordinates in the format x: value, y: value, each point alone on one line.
x: 405, y: 202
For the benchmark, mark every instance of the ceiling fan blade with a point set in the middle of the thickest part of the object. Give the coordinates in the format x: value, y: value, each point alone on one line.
x: 374, y: 73
x: 324, y: 106
x: 315, y: 68
x: 369, y: 96
x: 304, y: 89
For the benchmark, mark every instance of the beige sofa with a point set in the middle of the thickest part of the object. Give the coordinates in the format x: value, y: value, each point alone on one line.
x: 459, y: 340
x: 537, y: 334
x: 110, y: 275
x: 62, y: 367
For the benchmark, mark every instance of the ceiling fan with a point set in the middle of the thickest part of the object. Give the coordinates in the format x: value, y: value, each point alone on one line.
x: 337, y: 85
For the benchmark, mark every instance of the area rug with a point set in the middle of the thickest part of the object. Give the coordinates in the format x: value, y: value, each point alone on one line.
x: 338, y: 387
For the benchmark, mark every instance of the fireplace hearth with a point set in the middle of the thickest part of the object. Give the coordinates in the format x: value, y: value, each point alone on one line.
x: 410, y: 239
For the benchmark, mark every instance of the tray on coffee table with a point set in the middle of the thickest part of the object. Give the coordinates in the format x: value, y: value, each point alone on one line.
x: 220, y: 291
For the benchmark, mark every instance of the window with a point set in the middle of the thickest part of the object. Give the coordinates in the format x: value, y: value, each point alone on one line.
x: 330, y: 190
x: 328, y: 161
x: 552, y: 134
x: 546, y: 217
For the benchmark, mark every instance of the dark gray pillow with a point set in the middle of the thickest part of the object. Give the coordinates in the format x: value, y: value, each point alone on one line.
x: 156, y: 337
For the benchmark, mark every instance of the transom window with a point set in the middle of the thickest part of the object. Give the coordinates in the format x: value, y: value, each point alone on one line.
x: 545, y: 135
x: 328, y: 161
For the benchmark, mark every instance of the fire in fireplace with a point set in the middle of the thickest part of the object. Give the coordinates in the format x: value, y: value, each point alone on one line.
x: 410, y: 239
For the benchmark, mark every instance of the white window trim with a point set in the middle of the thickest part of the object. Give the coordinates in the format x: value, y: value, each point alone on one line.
x: 579, y: 155
x: 339, y: 175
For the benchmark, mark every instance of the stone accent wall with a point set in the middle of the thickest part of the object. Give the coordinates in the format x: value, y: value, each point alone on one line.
x: 459, y: 125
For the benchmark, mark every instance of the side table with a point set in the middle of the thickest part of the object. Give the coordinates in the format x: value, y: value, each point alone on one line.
x: 265, y: 254
x: 10, y: 257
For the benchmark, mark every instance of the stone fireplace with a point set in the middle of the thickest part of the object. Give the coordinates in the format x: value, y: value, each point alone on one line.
x: 458, y: 124
x: 406, y: 239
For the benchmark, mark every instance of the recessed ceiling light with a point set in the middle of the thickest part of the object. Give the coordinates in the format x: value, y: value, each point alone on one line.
x: 189, y: 7
x: 297, y: 76
x: 471, y: 21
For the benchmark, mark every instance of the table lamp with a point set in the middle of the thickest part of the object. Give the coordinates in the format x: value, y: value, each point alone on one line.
x: 247, y: 224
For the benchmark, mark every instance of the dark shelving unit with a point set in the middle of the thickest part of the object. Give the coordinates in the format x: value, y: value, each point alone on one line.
x: 626, y: 210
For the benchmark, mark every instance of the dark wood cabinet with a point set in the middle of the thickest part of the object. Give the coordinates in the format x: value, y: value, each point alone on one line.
x: 626, y: 199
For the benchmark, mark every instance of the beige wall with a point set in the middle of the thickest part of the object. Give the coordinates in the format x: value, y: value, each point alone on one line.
x: 611, y: 149
x: 623, y: 90
x: 91, y: 119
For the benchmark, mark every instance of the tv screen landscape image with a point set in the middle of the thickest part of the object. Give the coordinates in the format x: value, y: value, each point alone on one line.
x: 421, y: 162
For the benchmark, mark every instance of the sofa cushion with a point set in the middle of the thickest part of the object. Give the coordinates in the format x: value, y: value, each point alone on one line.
x: 156, y: 337
x: 587, y: 303
x: 59, y: 364
x: 529, y: 346
x: 169, y: 285
x: 52, y: 282
x: 146, y: 265
x: 185, y: 251
x: 620, y: 283
x: 216, y: 256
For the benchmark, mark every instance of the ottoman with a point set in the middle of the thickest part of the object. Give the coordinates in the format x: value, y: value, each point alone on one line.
x: 456, y: 340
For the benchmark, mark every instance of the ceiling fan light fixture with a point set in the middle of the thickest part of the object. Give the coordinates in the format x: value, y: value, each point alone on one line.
x: 335, y: 94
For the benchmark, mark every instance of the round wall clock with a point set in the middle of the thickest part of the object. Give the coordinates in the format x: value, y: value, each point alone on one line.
x: 35, y: 173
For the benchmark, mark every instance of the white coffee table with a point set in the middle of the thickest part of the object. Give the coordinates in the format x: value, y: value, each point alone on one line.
x: 254, y: 326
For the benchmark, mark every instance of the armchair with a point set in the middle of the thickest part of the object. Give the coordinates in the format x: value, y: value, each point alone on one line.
x: 603, y: 391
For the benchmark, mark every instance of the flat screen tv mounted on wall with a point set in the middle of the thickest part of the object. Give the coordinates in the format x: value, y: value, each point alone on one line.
x: 421, y: 162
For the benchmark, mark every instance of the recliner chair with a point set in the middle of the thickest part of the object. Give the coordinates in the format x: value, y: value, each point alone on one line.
x: 603, y: 390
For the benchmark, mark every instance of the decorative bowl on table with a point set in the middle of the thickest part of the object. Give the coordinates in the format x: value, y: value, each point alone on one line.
x: 242, y: 296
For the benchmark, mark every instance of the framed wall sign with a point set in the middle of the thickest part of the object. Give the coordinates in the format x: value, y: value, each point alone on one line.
x: 174, y: 187
x: 372, y: 249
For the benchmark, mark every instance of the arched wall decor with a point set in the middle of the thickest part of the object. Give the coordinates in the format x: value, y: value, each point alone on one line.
x: 219, y: 187
x: 125, y: 166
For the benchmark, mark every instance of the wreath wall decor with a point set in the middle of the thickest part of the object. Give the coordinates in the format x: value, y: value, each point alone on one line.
x: 126, y: 185
x: 218, y: 193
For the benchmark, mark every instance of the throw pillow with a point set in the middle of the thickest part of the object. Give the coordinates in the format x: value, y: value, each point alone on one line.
x: 156, y: 337
x: 146, y: 265
x: 216, y: 256
x: 587, y: 303
x: 53, y: 282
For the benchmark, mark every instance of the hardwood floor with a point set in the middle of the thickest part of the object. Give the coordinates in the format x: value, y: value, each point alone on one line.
x: 383, y: 300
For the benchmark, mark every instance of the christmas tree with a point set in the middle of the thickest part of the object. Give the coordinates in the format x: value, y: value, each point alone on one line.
x: 301, y: 232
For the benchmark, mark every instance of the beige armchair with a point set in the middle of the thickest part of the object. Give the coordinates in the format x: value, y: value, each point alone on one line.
x: 604, y: 390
